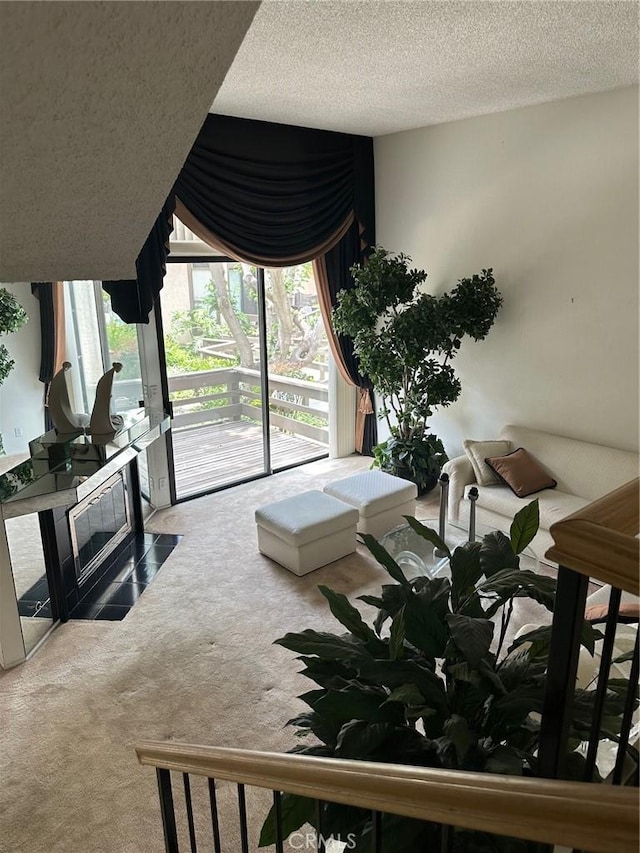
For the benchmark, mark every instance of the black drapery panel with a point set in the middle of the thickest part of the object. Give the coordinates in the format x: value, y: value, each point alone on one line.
x: 132, y: 299
x: 339, y: 261
x: 43, y: 291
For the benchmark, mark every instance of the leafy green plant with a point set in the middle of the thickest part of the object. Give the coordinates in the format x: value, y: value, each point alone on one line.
x: 12, y: 317
x: 405, y: 340
x: 419, y: 461
x: 430, y: 683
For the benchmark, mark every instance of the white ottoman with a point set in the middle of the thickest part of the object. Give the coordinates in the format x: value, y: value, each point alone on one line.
x: 381, y: 499
x: 307, y: 531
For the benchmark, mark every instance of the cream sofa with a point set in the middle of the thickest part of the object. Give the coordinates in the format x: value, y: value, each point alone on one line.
x: 583, y: 472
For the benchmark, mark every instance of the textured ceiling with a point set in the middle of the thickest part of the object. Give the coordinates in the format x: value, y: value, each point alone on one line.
x: 99, y: 106
x: 377, y: 67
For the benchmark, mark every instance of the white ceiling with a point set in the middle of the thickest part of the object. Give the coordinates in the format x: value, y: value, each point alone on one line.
x: 99, y: 106
x: 100, y: 102
x: 377, y: 67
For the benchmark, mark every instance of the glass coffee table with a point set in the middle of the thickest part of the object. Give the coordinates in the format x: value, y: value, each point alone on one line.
x: 416, y: 556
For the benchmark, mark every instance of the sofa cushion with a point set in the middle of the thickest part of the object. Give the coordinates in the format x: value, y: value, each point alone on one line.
x: 554, y: 505
x: 478, y: 451
x: 581, y: 468
x: 521, y: 472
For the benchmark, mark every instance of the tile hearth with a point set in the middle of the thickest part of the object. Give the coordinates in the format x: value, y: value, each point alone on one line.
x: 114, y: 588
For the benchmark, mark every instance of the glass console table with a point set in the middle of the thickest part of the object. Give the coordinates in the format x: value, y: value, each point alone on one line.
x: 63, y: 510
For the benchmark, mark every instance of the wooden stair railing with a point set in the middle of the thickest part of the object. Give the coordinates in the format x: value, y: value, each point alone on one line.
x: 597, y: 818
x: 600, y: 541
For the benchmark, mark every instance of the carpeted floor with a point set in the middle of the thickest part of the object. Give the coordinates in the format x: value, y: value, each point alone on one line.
x: 193, y: 661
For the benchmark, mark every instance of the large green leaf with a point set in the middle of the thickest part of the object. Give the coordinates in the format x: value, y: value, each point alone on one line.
x: 427, y: 533
x: 394, y: 598
x: 513, y: 708
x: 356, y: 704
x: 472, y: 637
x: 524, y: 526
x: 425, y: 625
x: 504, y: 759
x: 324, y: 645
x: 465, y: 572
x: 396, y: 638
x: 457, y: 730
x: 358, y: 739
x: 373, y: 600
x: 324, y: 728
x: 384, y: 558
x: 348, y: 615
x: 515, y: 582
x: 407, y: 694
x: 295, y: 810
x: 496, y: 554
x: 329, y: 674
x: 395, y: 673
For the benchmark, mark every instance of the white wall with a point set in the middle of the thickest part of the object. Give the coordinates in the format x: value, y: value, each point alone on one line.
x: 21, y: 393
x: 547, y: 196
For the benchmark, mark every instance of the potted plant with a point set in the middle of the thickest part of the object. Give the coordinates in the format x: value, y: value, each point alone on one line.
x: 12, y: 317
x: 438, y: 687
x: 405, y: 340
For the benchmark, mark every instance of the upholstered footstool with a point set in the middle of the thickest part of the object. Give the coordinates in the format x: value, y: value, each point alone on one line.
x: 381, y: 499
x: 307, y: 531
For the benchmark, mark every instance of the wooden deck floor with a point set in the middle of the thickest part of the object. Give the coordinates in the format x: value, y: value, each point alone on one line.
x: 210, y: 456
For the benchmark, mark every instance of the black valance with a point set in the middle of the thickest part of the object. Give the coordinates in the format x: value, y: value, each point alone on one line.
x: 276, y: 194
x: 271, y: 194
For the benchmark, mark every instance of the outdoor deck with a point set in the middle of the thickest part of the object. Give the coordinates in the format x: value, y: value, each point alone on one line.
x: 209, y: 456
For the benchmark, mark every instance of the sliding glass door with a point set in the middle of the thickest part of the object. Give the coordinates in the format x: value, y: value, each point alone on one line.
x: 214, y: 374
x: 246, y: 365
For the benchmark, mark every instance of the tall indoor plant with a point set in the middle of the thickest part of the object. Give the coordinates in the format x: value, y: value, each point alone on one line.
x: 405, y: 340
x: 434, y: 683
x: 12, y: 317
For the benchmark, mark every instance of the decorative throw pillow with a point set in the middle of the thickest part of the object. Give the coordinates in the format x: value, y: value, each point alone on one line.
x: 521, y: 472
x: 629, y: 612
x: 477, y: 451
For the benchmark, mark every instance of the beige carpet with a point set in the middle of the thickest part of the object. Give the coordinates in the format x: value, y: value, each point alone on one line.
x: 193, y: 661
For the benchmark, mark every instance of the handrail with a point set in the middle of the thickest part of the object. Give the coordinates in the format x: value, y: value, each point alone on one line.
x: 600, y: 540
x: 598, y: 818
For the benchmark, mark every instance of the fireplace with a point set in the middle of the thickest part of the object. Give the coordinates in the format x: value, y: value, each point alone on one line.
x: 98, y: 524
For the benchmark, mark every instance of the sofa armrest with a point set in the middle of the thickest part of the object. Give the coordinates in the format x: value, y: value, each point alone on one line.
x: 460, y: 475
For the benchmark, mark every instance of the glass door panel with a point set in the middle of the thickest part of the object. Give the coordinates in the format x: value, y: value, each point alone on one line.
x: 298, y: 355
x: 213, y: 361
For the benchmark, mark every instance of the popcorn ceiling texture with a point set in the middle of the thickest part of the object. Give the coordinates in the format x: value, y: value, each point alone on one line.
x: 99, y: 106
x: 379, y: 67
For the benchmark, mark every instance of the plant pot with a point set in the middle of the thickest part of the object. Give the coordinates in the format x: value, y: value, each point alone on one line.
x: 407, y: 474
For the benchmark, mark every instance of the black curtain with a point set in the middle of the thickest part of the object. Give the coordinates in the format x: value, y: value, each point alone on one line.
x: 52, y: 343
x: 275, y: 194
x: 43, y: 291
x: 132, y: 299
x: 269, y: 194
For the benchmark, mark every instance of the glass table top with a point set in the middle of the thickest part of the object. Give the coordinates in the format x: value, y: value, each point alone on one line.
x: 417, y: 556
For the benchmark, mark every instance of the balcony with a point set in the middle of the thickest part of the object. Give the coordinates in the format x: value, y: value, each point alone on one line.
x: 218, y: 432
